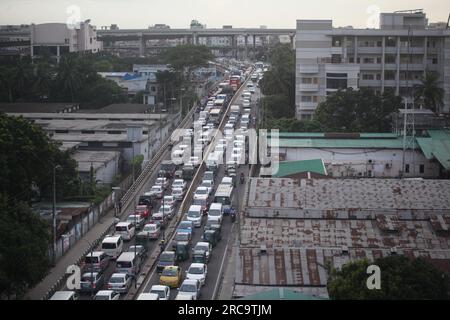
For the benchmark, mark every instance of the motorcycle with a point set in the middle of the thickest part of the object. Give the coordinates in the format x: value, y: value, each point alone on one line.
x: 233, y: 215
x: 242, y: 179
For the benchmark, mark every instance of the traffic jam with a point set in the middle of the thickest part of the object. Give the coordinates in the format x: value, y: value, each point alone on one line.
x: 188, y: 266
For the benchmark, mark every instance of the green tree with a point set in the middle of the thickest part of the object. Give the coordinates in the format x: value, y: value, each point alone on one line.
x: 361, y: 110
x: 401, y: 278
x: 27, y: 159
x: 278, y: 83
x: 293, y: 125
x: 24, y: 239
x: 69, y: 77
x: 430, y: 92
x: 186, y: 58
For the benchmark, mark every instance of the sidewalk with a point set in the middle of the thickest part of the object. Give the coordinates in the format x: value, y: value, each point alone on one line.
x: 71, y: 257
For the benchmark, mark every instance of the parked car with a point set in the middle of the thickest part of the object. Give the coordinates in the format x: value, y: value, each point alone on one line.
x: 153, y: 230
x: 120, y: 282
x: 190, y: 287
x: 96, y: 261
x: 166, y: 258
x: 107, y: 295
x: 91, y: 282
x: 197, y: 271
x: 162, y: 291
x: 171, y: 276
x: 136, y: 220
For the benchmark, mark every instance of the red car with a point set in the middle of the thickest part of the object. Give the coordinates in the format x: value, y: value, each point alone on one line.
x: 143, y: 210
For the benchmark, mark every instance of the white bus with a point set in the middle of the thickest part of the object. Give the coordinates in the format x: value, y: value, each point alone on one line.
x: 224, y: 195
x: 214, y: 115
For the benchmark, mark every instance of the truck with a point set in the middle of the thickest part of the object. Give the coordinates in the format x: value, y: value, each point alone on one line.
x: 235, y: 82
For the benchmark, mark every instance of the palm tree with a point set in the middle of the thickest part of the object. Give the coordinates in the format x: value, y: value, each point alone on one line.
x: 69, y: 75
x: 430, y: 92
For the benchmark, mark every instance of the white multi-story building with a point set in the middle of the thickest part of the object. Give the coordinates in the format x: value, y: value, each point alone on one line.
x: 58, y: 39
x: 393, y: 57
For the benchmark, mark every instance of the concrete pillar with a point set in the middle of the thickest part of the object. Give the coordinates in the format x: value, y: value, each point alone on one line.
x: 291, y: 37
x: 383, y: 62
x: 194, y: 39
x: 141, y: 46
x: 246, y: 46
x: 58, y: 53
x: 356, y: 49
x: 397, y: 75
x: 425, y: 55
x: 344, y: 50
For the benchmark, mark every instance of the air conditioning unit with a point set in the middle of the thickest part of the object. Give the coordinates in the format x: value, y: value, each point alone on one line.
x: 393, y: 250
x: 344, y: 250
x: 388, y: 165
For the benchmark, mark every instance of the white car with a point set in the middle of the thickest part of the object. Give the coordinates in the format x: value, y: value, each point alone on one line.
x: 205, y: 246
x: 179, y: 184
x: 195, y: 215
x: 157, y: 190
x: 168, y: 200
x: 162, y: 291
x: 148, y: 296
x: 209, y: 184
x: 190, y: 287
x: 120, y: 282
x: 167, y: 210
x: 107, y: 295
x: 163, y: 182
x: 178, y: 194
x: 182, y: 296
x: 246, y: 103
x: 227, y: 181
x: 201, y: 192
x: 153, y: 230
x: 197, y: 271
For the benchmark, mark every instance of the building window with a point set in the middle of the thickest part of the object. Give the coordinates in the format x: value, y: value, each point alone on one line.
x: 367, y: 77
x: 421, y: 168
x: 306, y: 98
x: 378, y: 59
x: 369, y: 60
x: 336, y: 80
x: 435, y: 60
x: 379, y: 43
x: 389, y: 75
x: 391, y: 42
x: 389, y: 58
x: 407, y: 168
x: 307, y: 80
x: 351, y: 59
x: 378, y: 76
x: 336, y: 58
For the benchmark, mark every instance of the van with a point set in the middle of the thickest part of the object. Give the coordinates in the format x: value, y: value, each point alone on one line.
x: 64, y: 295
x: 113, y: 246
x: 126, y: 230
x: 96, y: 261
x: 128, y: 263
x: 215, y: 212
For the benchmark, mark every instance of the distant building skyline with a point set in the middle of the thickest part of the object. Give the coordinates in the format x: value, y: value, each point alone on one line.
x: 214, y: 14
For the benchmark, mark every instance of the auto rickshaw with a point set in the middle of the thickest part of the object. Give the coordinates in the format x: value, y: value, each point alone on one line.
x: 199, y: 256
x: 188, y: 172
x: 210, y: 236
x: 182, y: 251
x: 217, y: 228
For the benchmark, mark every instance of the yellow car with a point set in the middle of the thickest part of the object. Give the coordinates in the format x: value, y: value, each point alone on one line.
x: 171, y: 277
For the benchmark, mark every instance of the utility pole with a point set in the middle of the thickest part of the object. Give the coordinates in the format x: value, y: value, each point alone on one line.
x: 54, y: 213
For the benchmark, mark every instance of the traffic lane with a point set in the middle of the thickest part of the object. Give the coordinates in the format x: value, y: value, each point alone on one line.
x: 196, y: 238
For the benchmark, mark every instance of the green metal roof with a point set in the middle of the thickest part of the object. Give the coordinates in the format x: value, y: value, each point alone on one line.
x: 292, y: 167
x: 282, y: 294
x: 396, y: 143
x: 437, y: 146
x: 370, y: 135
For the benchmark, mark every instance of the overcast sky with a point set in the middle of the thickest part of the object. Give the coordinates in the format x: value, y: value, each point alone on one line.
x: 213, y: 13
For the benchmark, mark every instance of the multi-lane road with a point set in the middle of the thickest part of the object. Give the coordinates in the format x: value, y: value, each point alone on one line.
x: 218, y: 258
